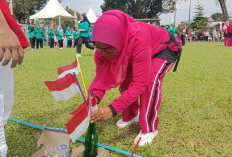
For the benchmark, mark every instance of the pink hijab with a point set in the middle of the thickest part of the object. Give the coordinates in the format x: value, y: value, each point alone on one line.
x: 119, y: 30
x: 225, y: 26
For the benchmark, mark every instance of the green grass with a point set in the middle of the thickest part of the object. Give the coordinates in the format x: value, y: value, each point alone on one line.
x: 196, y: 105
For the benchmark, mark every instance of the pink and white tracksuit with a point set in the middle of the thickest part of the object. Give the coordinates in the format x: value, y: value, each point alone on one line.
x: 151, y: 57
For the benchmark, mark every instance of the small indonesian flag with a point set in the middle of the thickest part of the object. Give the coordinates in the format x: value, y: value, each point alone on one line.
x: 66, y: 69
x: 63, y: 88
x: 80, y: 121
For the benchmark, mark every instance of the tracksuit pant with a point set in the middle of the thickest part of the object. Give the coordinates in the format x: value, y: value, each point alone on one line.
x: 229, y: 42
x: 6, y: 103
x: 60, y: 43
x: 82, y: 40
x: 150, y: 100
x: 69, y: 44
x: 39, y: 42
x: 51, y: 43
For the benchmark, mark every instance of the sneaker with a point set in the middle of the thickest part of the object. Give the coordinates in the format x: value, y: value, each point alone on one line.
x: 146, y: 138
x: 121, y: 124
x: 78, y: 55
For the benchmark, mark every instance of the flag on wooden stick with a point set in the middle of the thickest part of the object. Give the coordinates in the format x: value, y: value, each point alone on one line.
x: 80, y: 121
x: 63, y: 88
x: 68, y: 69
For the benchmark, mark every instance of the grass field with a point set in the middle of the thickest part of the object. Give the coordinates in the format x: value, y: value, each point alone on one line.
x: 195, y: 113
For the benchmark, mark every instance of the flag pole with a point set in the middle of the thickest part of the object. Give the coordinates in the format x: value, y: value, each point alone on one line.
x: 79, y: 86
x: 135, y: 147
x: 79, y: 66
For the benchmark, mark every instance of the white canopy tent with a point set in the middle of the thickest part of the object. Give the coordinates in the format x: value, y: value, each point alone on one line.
x: 53, y: 10
x: 91, y: 16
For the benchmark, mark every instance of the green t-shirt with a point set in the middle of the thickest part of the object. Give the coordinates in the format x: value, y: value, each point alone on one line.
x: 68, y: 34
x: 84, y: 25
x: 51, y: 33
x: 75, y: 34
x: 30, y: 32
x: 39, y: 33
x: 59, y: 35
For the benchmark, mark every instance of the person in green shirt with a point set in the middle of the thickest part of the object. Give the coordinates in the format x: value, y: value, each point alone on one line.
x: 30, y: 32
x: 51, y: 33
x: 171, y: 29
x: 75, y: 36
x: 83, y: 35
x: 68, y: 34
x: 39, y: 37
x: 60, y: 34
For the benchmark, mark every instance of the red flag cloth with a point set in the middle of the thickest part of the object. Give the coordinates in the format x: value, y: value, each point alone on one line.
x: 63, y: 88
x: 80, y: 121
x: 70, y: 68
x: 93, y: 103
x: 13, y: 24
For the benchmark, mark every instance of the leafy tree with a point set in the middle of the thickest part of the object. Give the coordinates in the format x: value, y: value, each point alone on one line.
x: 70, y: 24
x: 140, y: 8
x: 217, y: 16
x: 22, y: 9
x: 200, y: 22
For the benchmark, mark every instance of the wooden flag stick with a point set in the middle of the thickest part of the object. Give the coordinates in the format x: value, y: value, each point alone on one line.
x: 79, y: 66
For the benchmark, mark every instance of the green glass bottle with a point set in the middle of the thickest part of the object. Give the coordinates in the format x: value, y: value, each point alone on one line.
x: 91, y: 141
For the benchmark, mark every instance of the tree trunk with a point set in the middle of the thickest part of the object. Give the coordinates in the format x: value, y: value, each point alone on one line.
x: 224, y: 10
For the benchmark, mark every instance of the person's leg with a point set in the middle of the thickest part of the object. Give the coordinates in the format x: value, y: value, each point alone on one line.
x: 79, y: 45
x: 151, y: 98
x: 52, y: 43
x: 41, y: 43
x: 183, y: 39
x: 86, y: 41
x: 31, y: 42
x: 37, y: 44
x: 6, y: 103
x: 61, y: 43
x: 75, y: 43
x: 131, y: 111
x: 229, y: 42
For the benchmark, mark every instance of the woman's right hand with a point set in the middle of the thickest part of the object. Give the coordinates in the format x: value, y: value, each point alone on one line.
x: 10, y: 46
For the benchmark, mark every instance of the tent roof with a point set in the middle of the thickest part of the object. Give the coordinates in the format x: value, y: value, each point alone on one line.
x: 53, y: 10
x: 91, y: 16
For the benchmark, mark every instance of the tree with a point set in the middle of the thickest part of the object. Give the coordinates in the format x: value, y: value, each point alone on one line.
x: 140, y: 8
x: 224, y: 10
x: 69, y: 24
x: 22, y: 9
x: 199, y: 21
x: 217, y: 16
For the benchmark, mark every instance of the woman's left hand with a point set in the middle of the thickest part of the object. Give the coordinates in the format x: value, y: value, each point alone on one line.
x: 101, y: 114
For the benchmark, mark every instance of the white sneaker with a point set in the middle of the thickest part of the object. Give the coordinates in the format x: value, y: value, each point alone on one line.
x: 121, y: 124
x: 78, y: 55
x: 146, y: 138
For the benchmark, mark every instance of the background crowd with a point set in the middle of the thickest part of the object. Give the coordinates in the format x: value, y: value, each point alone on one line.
x: 211, y: 34
x: 70, y: 37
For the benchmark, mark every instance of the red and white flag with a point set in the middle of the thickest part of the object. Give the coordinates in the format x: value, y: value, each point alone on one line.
x: 63, y: 88
x: 66, y: 69
x: 80, y: 121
